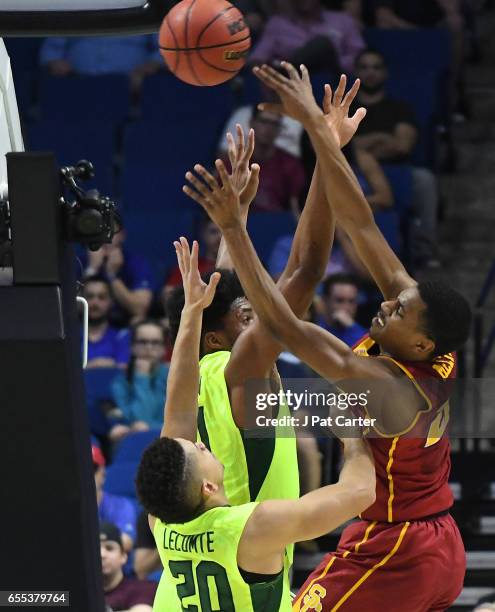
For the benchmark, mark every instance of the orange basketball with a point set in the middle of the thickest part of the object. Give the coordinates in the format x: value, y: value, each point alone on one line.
x: 204, y: 42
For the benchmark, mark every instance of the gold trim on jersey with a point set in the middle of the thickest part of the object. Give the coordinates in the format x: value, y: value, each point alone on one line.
x: 296, y: 606
x: 381, y: 563
x: 390, y: 479
x: 310, y: 587
x: 362, y: 350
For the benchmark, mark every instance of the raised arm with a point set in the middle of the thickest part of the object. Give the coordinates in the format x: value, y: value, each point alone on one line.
x: 322, y: 351
x: 275, y: 524
x: 246, y: 184
x: 181, y: 406
x: 342, y: 188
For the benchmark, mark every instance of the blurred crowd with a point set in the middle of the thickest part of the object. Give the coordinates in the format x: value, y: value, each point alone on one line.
x: 401, y: 146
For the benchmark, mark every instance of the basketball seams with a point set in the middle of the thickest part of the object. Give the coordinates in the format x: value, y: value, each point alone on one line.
x: 206, y: 47
x: 188, y: 56
x: 177, y: 59
x: 212, y: 21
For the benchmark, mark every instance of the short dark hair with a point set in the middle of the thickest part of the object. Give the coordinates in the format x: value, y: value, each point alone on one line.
x: 165, y: 482
x: 447, y: 318
x: 96, y: 278
x: 228, y: 290
x: 341, y: 278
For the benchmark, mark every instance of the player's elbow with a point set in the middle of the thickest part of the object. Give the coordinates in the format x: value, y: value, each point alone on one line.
x: 364, y: 496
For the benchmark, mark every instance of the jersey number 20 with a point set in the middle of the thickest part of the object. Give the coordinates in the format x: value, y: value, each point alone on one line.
x: 206, y: 571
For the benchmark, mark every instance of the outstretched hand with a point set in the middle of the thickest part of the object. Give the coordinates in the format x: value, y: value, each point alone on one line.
x: 336, y: 108
x: 240, y: 154
x: 295, y: 92
x: 221, y: 200
x: 196, y: 292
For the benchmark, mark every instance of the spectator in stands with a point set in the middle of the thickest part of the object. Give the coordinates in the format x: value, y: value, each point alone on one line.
x: 137, y: 56
x: 290, y: 131
x: 146, y: 557
x: 113, y: 508
x: 282, y: 175
x: 310, y: 35
x: 107, y: 347
x: 368, y: 171
x: 129, y: 277
x: 209, y: 239
x: 340, y: 300
x: 121, y: 593
x: 389, y: 133
x: 140, y: 392
x: 398, y: 14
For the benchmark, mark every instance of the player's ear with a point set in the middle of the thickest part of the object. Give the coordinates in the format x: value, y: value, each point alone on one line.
x: 425, y: 346
x: 209, y: 488
x: 214, y: 341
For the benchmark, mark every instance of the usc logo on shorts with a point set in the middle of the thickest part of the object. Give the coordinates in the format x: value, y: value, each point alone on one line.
x: 312, y: 601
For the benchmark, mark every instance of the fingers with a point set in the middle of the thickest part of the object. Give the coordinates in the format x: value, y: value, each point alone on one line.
x: 327, y: 99
x: 180, y: 259
x: 351, y: 94
x: 206, y: 176
x: 358, y: 116
x: 291, y: 71
x: 339, y: 92
x: 186, y: 254
x: 194, y: 195
x: 198, y: 185
x: 231, y: 149
x: 209, y: 292
x: 193, y: 264
x: 240, y: 141
x: 250, y: 145
x: 305, y: 75
x: 271, y: 78
x: 253, y: 182
x: 224, y: 176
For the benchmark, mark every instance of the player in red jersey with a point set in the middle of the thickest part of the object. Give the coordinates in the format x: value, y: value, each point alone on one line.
x: 406, y: 553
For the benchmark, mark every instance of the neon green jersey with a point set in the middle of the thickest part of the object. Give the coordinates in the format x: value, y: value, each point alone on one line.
x: 256, y: 469
x: 200, y: 564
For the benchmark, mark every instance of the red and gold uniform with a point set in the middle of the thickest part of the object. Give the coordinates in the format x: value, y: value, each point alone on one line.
x: 406, y: 553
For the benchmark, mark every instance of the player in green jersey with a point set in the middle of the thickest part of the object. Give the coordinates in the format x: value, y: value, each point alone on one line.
x: 236, y: 348
x: 216, y: 556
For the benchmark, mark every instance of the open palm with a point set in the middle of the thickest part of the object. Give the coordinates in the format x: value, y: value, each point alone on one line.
x: 196, y: 291
x: 336, y: 108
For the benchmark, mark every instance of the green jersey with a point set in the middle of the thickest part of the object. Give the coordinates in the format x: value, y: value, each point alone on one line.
x: 256, y: 469
x: 200, y: 567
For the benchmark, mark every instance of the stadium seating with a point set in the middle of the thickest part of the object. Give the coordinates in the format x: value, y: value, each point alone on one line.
x: 120, y: 479
x: 98, y: 390
x: 96, y: 98
x: 132, y: 446
x: 420, y: 91
x: 409, y: 52
x: 165, y: 98
x: 266, y: 228
x: 181, y: 140
x: 72, y: 141
x: 151, y: 232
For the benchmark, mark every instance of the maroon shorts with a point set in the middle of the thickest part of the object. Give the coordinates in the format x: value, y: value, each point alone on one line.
x: 416, y: 566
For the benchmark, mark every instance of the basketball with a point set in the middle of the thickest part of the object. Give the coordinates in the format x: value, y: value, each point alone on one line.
x: 204, y: 42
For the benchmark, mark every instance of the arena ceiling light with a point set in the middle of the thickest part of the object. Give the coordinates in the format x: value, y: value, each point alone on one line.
x: 81, y: 17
